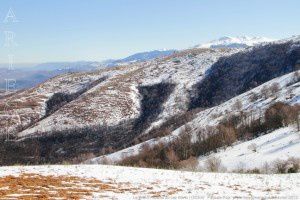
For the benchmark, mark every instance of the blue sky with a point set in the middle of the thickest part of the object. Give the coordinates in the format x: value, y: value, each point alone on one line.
x: 72, y: 30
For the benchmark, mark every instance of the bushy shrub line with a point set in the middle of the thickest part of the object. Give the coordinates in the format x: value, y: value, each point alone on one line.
x: 189, y: 145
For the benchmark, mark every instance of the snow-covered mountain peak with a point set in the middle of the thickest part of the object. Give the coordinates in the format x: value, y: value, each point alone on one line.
x: 235, y: 42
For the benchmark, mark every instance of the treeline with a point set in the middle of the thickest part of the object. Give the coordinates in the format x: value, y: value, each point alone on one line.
x: 80, y: 144
x: 60, y: 99
x: 238, y: 73
x: 183, y: 151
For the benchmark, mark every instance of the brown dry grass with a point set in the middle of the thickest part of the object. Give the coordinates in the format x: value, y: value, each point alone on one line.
x: 34, y: 186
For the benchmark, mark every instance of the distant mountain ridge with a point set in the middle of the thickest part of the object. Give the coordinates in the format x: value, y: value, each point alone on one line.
x: 30, y: 76
x: 92, y: 65
x: 140, y: 57
x: 235, y: 42
x: 38, y: 73
x: 74, y: 66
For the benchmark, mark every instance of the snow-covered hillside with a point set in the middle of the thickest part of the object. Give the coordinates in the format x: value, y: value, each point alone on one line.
x: 112, y: 182
x: 27, y: 107
x: 235, y: 42
x: 116, y: 99
x: 109, y: 111
x: 281, y: 144
x: 289, y: 92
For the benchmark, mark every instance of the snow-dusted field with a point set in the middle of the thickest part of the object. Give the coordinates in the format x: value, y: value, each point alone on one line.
x: 113, y: 182
x: 281, y: 144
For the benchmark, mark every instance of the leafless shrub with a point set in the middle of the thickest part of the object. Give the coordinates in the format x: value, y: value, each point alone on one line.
x: 298, y: 122
x: 145, y: 148
x: 148, y: 157
x: 296, y: 77
x: 214, y: 164
x: 253, y: 171
x: 228, y: 133
x: 190, y: 164
x: 293, y: 165
x: 266, y: 168
x: 253, y: 97
x: 274, y: 88
x: 281, y: 114
x: 238, y: 105
x: 216, y: 115
x: 136, y: 141
x: 172, y: 157
x: 265, y: 91
x: 182, y: 145
x: 280, y: 166
x: 83, y: 157
x: 109, y: 150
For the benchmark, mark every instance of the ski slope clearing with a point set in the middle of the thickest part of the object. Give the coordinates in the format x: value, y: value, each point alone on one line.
x: 113, y: 182
x: 281, y: 144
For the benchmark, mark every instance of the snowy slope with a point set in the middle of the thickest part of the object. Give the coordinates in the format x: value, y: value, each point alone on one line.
x: 280, y: 144
x: 289, y: 93
x: 112, y: 182
x: 27, y: 107
x: 235, y: 42
x: 116, y: 99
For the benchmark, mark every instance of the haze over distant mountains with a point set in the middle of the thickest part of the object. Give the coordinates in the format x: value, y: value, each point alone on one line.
x: 29, y: 76
x: 143, y: 56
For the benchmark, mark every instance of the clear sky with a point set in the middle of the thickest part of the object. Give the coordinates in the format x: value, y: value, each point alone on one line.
x: 72, y: 30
